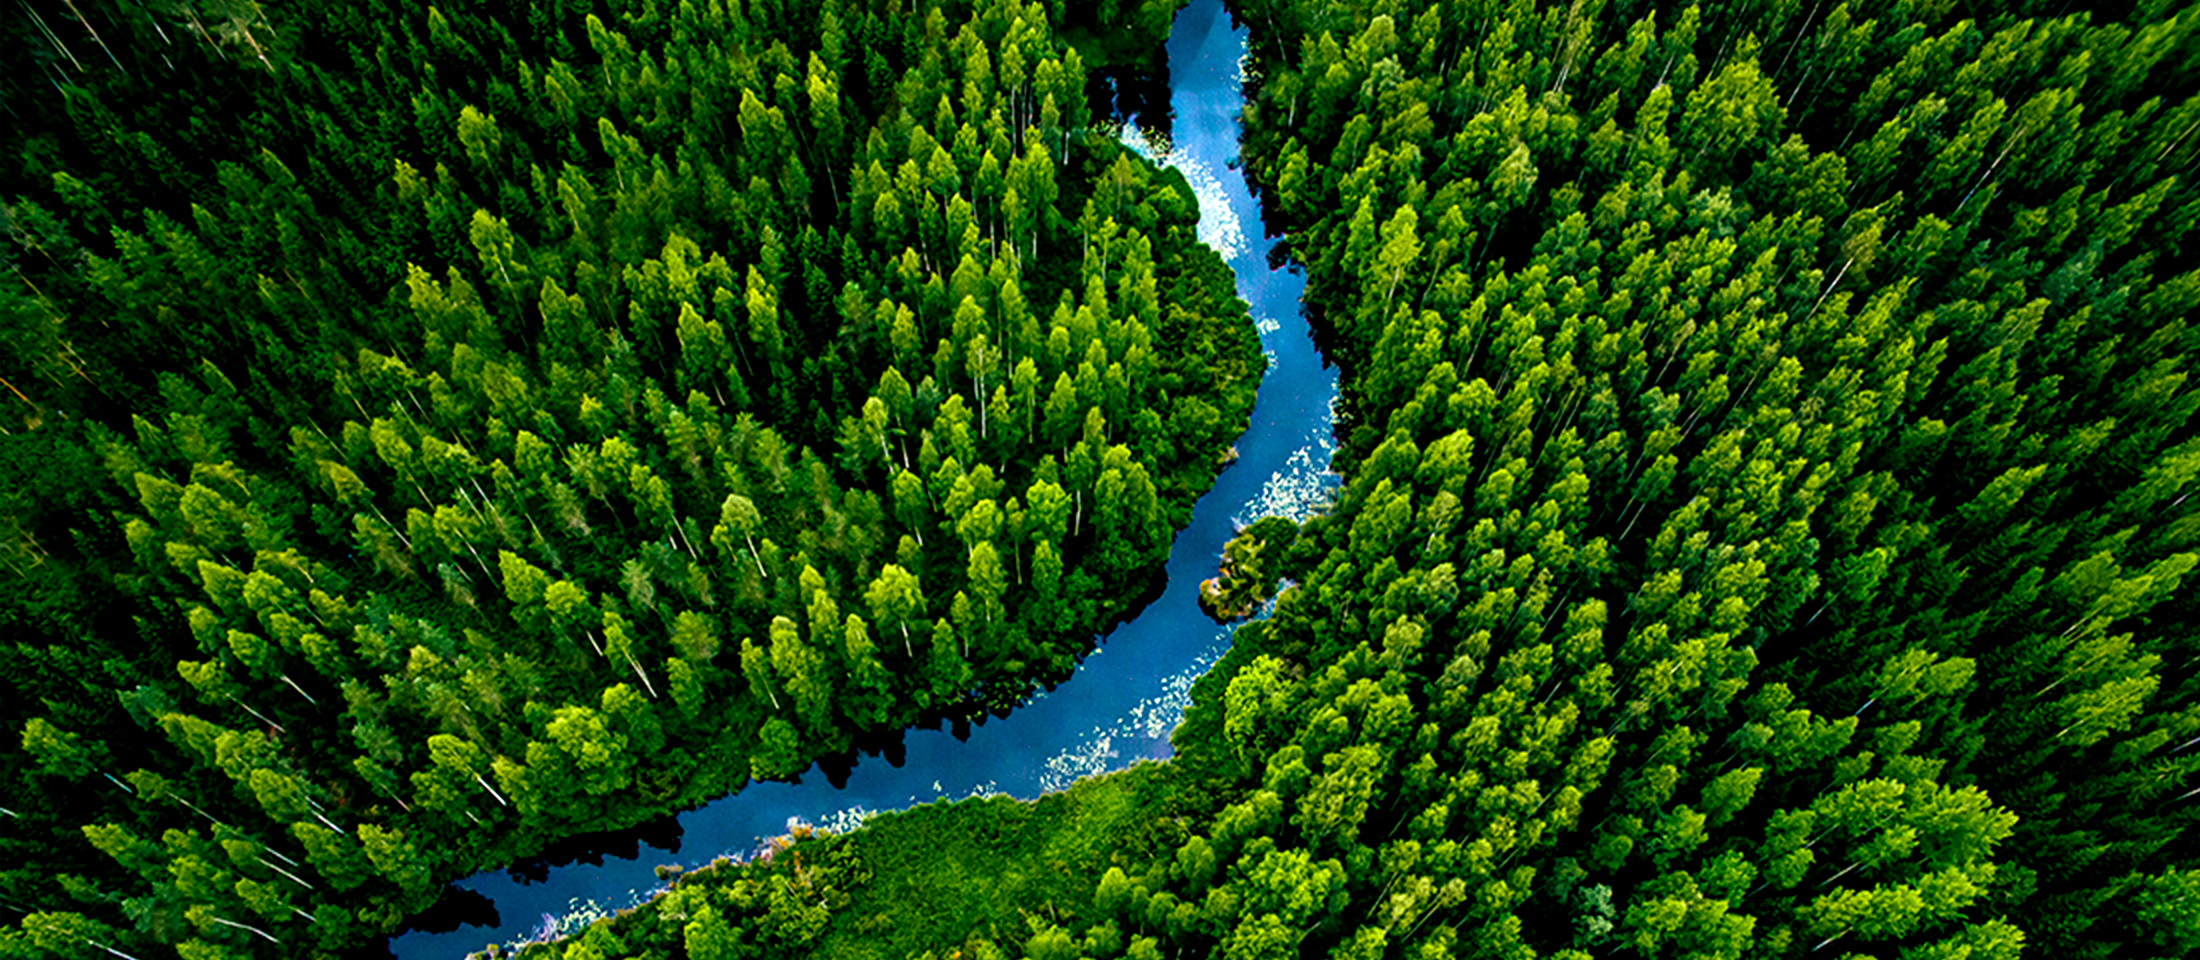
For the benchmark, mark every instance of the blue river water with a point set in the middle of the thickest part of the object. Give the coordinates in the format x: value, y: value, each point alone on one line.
x: 1128, y: 695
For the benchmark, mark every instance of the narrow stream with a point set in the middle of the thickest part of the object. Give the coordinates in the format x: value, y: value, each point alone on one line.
x: 1128, y: 695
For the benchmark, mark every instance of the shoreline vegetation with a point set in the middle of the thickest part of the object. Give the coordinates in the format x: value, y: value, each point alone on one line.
x: 901, y: 885
x: 970, y: 878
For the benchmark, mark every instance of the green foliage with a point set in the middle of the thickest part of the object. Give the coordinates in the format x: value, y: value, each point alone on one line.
x: 947, y: 877
x: 1723, y: 489
x: 525, y: 430
x: 1769, y: 432
x: 1250, y: 563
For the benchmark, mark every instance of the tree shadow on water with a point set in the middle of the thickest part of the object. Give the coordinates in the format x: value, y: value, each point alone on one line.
x: 662, y: 833
x: 457, y: 907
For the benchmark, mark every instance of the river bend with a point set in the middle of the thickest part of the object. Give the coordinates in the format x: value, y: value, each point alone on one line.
x: 1128, y: 695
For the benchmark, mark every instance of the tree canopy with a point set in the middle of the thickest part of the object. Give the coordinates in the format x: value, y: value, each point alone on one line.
x: 434, y: 433
x: 1767, y: 428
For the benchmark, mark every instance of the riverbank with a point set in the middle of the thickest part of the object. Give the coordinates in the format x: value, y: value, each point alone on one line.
x: 928, y: 881
x: 976, y: 877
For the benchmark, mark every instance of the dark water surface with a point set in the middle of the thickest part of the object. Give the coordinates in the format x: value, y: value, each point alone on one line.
x: 1128, y: 695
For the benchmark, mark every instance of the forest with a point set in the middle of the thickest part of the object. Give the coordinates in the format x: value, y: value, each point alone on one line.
x: 1767, y: 427
x: 436, y: 433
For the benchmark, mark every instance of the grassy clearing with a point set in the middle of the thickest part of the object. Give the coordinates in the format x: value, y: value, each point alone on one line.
x: 945, y: 873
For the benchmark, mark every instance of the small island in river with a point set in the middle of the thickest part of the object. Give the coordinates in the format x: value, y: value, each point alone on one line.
x: 1247, y: 578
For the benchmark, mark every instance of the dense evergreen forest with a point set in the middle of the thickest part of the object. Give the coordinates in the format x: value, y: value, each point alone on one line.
x: 1768, y: 532
x: 435, y: 432
x: 1768, y: 529
x: 1769, y: 524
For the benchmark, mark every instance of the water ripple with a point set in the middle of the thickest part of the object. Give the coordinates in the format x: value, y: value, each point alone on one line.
x: 1219, y: 227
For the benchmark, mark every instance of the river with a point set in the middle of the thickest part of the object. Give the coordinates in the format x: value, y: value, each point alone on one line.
x: 1127, y: 695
